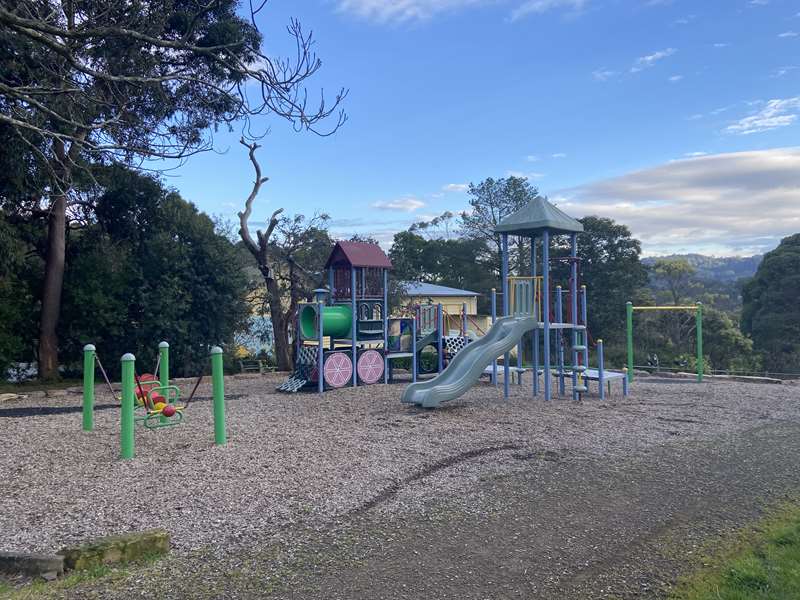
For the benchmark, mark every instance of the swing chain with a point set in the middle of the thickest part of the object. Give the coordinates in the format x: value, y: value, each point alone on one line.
x: 108, y: 381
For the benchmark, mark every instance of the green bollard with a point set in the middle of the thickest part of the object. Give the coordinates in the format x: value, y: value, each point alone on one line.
x: 163, y: 364
x: 163, y: 373
x: 699, y: 332
x: 89, y: 352
x: 218, y: 392
x: 126, y: 427
x: 629, y: 338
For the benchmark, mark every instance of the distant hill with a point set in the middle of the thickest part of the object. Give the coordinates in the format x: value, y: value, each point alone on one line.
x: 726, y: 269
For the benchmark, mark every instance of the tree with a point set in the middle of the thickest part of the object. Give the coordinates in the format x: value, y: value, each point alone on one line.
x: 611, y: 270
x: 116, y: 81
x: 675, y: 276
x: 17, y: 319
x: 150, y: 267
x: 771, y: 312
x: 450, y: 262
x: 725, y: 345
x: 491, y: 201
x: 289, y: 254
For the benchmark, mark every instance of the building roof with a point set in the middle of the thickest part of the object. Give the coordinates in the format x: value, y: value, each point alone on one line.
x: 537, y: 216
x: 416, y: 288
x: 358, y: 254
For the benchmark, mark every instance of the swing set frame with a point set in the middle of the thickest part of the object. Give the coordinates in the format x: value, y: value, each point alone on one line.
x: 698, y: 316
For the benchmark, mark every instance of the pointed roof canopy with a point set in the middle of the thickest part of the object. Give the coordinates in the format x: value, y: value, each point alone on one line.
x: 537, y: 216
x: 358, y: 254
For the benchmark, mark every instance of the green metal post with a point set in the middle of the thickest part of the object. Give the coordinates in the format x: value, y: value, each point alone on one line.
x: 629, y: 329
x: 126, y: 433
x: 163, y: 364
x: 163, y: 373
x: 218, y: 392
x: 699, y: 331
x: 89, y: 353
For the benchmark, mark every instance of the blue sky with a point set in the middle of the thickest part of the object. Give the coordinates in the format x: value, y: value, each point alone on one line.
x: 677, y: 117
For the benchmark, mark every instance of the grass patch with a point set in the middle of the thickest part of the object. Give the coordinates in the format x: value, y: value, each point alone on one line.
x: 106, y: 574
x: 762, y: 563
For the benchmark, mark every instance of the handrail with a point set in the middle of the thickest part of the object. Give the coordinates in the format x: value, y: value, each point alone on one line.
x: 664, y: 307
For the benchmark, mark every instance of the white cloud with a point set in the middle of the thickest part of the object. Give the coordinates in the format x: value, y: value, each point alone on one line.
x: 559, y: 155
x: 714, y: 204
x: 788, y: 34
x: 526, y: 175
x: 456, y: 187
x: 532, y: 158
x: 695, y: 154
x: 402, y: 10
x: 649, y: 60
x: 776, y: 113
x: 540, y: 6
x: 783, y: 71
x: 721, y: 45
x: 398, y: 11
x: 408, y: 204
x: 603, y: 74
x: 675, y: 78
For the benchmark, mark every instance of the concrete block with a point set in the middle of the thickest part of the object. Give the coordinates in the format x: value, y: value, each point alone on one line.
x: 116, y: 549
x: 31, y: 564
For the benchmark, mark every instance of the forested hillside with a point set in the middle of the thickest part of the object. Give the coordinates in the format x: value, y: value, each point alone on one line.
x: 726, y: 269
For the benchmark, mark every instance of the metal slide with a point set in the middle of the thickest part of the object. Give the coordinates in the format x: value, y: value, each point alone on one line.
x: 468, y: 365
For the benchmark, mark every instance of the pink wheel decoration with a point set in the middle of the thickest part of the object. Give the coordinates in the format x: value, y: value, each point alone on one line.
x: 370, y: 366
x: 338, y: 369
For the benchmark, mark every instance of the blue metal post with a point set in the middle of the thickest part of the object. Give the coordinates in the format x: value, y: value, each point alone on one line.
x: 601, y: 374
x: 504, y: 276
x: 585, y: 334
x: 385, y: 313
x: 440, y: 340
x: 625, y: 383
x: 297, y: 340
x: 573, y: 299
x: 355, y: 323
x: 546, y: 309
x: 464, y: 319
x: 537, y: 309
x: 494, y: 318
x: 560, y: 339
x: 320, y: 349
x: 413, y: 346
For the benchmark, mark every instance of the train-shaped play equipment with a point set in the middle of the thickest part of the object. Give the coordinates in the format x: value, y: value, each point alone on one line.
x: 348, y: 336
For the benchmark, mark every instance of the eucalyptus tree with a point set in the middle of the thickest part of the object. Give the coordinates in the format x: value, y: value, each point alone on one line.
x: 88, y: 81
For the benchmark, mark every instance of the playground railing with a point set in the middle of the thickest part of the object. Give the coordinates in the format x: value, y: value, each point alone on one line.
x: 522, y: 292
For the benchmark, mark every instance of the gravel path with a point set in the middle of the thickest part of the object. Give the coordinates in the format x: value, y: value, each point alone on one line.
x: 357, y: 461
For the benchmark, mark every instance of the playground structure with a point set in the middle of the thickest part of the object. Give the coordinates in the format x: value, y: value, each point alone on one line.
x: 347, y: 335
x: 527, y: 306
x: 698, y: 316
x: 152, y: 402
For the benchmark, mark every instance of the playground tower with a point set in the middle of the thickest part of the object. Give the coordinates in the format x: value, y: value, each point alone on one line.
x: 540, y: 219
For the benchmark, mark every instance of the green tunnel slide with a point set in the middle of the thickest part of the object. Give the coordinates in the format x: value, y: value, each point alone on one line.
x: 336, y: 321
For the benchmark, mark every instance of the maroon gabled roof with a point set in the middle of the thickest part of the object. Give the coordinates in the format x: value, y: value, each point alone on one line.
x: 358, y: 254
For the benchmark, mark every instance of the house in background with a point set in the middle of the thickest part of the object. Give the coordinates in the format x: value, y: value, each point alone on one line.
x: 452, y: 301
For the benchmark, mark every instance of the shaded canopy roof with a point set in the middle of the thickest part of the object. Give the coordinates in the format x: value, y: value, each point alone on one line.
x: 416, y: 288
x: 537, y: 216
x: 358, y: 254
